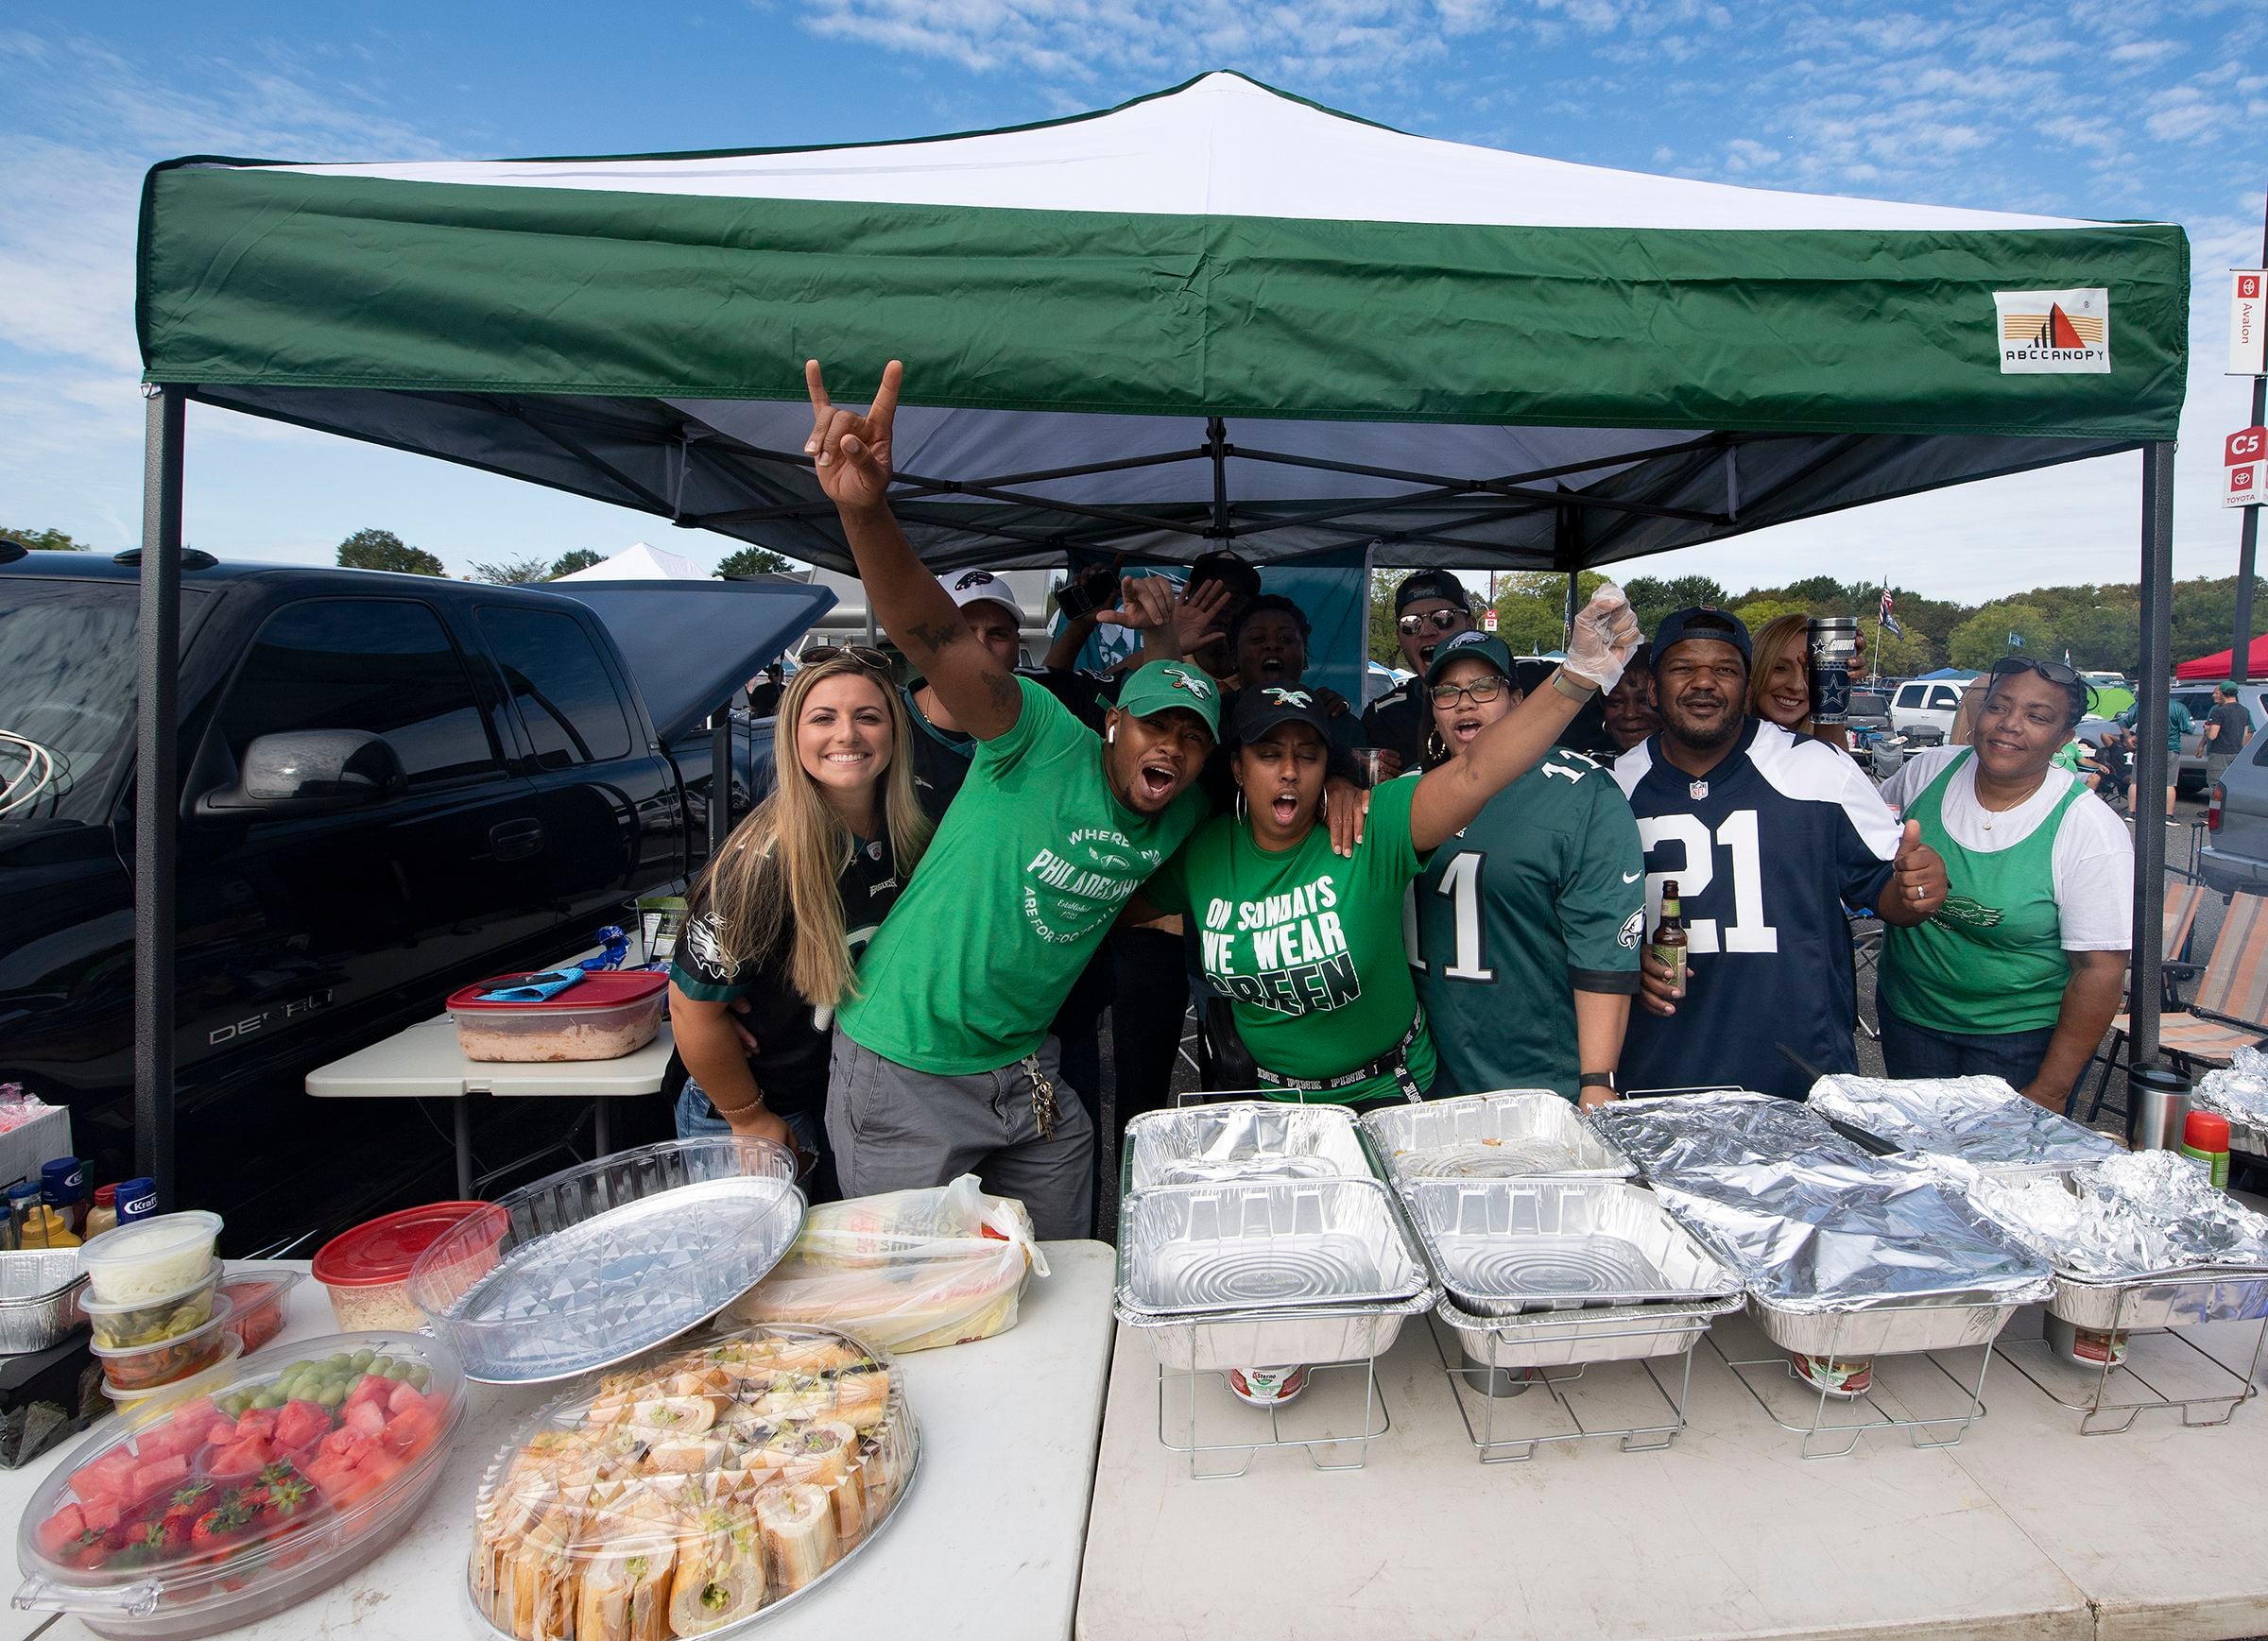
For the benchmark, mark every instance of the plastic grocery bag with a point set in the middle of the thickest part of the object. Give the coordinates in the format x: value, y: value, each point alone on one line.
x: 906, y: 1270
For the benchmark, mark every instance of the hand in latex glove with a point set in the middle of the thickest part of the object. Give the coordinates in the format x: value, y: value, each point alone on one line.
x: 1605, y: 634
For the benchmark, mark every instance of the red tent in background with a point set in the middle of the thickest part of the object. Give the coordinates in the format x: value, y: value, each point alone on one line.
x: 2208, y: 669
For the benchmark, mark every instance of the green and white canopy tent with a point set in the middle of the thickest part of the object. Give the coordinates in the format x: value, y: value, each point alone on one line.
x: 1215, y: 315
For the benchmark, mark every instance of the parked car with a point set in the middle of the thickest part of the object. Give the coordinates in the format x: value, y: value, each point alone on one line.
x: 1868, y: 709
x: 391, y: 785
x: 1922, y: 710
x: 2236, y: 817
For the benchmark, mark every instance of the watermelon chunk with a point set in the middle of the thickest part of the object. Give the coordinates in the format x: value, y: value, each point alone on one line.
x: 102, y: 1514
x: 240, y: 1460
x: 152, y: 1480
x: 301, y: 1423
x: 406, y: 1396
x: 260, y: 1422
x: 371, y: 1388
x: 109, y: 1478
x: 183, y: 1433
x: 347, y: 1445
x: 406, y: 1431
x: 365, y: 1418
x: 60, y: 1529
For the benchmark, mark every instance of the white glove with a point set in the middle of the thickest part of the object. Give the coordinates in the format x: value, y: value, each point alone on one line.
x: 1605, y: 635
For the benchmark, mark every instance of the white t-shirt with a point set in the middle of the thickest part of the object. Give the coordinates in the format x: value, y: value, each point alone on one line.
x: 2093, y: 859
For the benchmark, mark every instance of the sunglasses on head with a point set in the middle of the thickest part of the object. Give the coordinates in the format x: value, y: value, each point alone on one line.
x: 859, y: 654
x: 2054, y: 671
x: 1442, y: 620
x: 1478, y: 692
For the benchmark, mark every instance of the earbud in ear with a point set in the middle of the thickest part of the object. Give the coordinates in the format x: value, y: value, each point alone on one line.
x: 1110, y: 734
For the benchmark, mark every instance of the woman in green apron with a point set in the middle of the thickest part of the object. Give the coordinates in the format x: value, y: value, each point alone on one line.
x: 2020, y: 972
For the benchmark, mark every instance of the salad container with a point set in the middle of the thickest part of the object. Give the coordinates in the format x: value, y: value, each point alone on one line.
x: 147, y: 1259
x: 705, y: 1486
x: 365, y: 1269
x: 134, y: 1368
x: 603, y: 1016
x: 121, y: 1325
x: 220, y: 1368
x: 207, y: 1511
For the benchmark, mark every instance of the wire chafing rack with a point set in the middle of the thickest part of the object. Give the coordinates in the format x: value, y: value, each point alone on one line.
x: 2151, y: 1318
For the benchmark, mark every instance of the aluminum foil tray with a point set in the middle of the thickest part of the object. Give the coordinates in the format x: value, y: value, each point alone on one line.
x: 1244, y: 1140
x: 1566, y: 1337
x: 2238, y: 1091
x: 591, y: 1266
x: 1515, y: 1134
x: 1263, y: 1246
x: 2165, y: 1302
x: 1890, y: 1329
x: 1982, y: 1121
x: 1681, y: 1133
x: 39, y: 1297
x: 1314, y: 1336
x: 1508, y: 1246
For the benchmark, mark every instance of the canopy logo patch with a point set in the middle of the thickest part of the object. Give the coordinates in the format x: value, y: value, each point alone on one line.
x: 2055, y: 333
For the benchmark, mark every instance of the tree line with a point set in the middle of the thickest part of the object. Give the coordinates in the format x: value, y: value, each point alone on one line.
x: 384, y: 550
x: 2100, y: 626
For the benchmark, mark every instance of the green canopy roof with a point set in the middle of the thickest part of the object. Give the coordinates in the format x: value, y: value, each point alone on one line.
x: 1216, y: 313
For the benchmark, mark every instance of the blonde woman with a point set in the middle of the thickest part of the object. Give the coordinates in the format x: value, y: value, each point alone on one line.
x: 777, y: 921
x: 1779, y: 685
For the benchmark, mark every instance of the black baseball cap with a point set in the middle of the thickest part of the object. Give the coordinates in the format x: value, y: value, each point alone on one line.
x: 1431, y: 583
x: 1700, y: 622
x: 1263, y: 707
x: 1226, y: 567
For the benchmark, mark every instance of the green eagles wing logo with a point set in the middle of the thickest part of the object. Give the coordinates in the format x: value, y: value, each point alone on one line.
x: 1968, y: 913
x: 1283, y: 697
x: 1182, y: 680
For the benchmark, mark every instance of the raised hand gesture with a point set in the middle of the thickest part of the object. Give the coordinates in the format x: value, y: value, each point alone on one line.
x: 1605, y: 636
x: 852, y: 453
x: 1917, y: 880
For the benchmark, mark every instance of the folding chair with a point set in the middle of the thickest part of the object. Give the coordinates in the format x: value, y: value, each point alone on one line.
x: 2185, y: 899
x: 2231, y: 1001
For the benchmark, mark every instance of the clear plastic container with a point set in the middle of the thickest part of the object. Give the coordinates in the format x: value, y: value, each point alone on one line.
x: 143, y: 1321
x: 604, y: 1018
x: 144, y: 1367
x: 366, y: 1271
x: 149, y: 1257
x: 205, y: 1379
x: 256, y: 1297
x: 705, y: 1485
x: 205, y: 1512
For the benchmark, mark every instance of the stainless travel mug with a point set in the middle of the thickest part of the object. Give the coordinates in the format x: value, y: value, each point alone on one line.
x: 2157, y: 1104
x: 1834, y: 644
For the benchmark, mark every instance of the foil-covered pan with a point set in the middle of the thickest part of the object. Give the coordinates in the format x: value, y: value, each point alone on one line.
x: 2134, y: 1218
x: 1196, y: 1251
x: 1681, y: 1133
x: 1515, y: 1134
x: 2238, y: 1091
x: 2162, y: 1302
x: 39, y: 1297
x: 1313, y: 1335
x: 1982, y: 1121
x: 1508, y: 1246
x: 1241, y: 1139
x: 1885, y: 1329
x: 1548, y: 1339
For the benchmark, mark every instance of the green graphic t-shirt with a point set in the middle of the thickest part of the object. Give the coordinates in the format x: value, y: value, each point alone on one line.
x: 1307, y: 945
x: 1024, y: 877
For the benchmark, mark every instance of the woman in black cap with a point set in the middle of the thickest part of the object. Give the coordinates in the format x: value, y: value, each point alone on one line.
x: 1307, y: 944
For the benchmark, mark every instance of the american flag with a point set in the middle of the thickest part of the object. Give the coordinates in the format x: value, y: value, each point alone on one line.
x: 1889, y: 621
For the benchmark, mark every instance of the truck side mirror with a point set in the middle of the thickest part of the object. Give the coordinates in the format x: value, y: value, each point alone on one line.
x: 312, y: 772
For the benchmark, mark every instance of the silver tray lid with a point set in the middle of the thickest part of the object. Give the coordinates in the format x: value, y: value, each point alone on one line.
x: 1507, y: 1246
x: 1265, y: 1245
x: 1981, y: 1120
x: 1236, y: 1139
x: 1677, y: 1135
x: 592, y: 1265
x: 1509, y: 1133
x: 2137, y: 1216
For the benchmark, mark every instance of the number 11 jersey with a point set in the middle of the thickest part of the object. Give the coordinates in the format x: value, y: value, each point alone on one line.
x: 1766, y: 851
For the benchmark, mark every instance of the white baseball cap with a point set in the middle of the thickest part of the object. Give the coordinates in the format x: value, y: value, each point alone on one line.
x: 968, y: 587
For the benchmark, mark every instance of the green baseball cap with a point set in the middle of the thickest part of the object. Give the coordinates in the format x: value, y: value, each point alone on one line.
x: 1161, y: 686
x: 1481, y: 645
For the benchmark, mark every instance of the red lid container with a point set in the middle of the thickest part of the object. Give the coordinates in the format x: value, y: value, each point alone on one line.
x: 2206, y: 1131
x: 382, y: 1249
x: 606, y: 989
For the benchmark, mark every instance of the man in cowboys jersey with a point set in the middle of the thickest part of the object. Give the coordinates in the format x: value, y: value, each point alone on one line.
x: 1767, y: 838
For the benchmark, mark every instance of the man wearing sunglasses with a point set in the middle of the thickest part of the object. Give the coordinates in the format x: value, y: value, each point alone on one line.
x: 1430, y: 606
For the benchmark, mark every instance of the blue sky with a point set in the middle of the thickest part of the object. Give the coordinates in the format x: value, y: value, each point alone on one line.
x: 2132, y: 109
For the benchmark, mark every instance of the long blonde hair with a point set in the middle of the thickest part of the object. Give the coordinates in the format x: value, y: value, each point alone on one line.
x: 781, y: 865
x: 1765, y: 647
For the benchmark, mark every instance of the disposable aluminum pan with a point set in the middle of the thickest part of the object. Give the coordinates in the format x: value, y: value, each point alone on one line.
x: 1508, y: 1246
x: 1982, y: 1121
x: 1196, y: 1251
x: 1244, y: 1140
x: 1565, y: 1338
x: 39, y: 1298
x: 1882, y: 1329
x: 1516, y: 1133
x: 2162, y: 1302
x: 1314, y: 1336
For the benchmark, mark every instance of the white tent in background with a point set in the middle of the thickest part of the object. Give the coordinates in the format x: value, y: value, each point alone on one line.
x: 641, y: 561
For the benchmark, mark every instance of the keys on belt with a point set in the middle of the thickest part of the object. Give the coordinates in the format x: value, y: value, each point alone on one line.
x: 1043, y: 1098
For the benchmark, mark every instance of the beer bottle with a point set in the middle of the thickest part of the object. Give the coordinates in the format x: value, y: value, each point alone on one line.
x: 1668, y: 944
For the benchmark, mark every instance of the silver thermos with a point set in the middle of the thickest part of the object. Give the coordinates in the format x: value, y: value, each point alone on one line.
x: 1833, y: 646
x: 2157, y: 1104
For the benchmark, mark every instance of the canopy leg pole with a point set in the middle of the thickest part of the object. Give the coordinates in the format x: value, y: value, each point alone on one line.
x: 1572, y: 604
x: 2240, y: 656
x: 2153, y: 768
x: 720, y: 780
x: 157, y: 802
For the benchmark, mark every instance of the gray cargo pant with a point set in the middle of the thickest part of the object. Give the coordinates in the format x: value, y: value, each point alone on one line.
x: 894, y: 1128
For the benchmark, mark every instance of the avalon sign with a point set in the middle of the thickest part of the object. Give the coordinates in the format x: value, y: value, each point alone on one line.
x: 2248, y: 322
x: 2244, y: 460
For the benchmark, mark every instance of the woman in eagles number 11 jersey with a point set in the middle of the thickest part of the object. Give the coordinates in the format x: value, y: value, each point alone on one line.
x: 1307, y: 945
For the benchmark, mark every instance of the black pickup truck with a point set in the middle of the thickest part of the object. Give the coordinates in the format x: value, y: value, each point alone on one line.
x: 475, y: 784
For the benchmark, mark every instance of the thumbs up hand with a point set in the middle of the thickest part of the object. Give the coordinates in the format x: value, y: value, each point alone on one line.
x: 1917, y: 881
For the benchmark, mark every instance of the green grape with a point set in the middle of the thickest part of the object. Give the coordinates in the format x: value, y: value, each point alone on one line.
x: 419, y: 1374
x: 330, y: 1396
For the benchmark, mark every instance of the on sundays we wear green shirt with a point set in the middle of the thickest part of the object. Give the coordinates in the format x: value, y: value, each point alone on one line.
x: 1307, y: 945
x: 1026, y: 876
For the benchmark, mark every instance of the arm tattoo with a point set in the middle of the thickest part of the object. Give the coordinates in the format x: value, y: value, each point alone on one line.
x: 935, y: 639
x: 1007, y: 698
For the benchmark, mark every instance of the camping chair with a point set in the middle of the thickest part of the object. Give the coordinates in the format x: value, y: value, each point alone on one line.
x: 2185, y: 899
x: 2231, y: 1001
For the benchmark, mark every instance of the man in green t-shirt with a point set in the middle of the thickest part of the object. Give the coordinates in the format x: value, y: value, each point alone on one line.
x: 943, y: 1065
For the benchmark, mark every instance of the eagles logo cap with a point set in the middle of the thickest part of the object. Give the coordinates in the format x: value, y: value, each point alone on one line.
x: 968, y: 587
x: 1485, y: 645
x: 1263, y: 707
x: 1161, y: 686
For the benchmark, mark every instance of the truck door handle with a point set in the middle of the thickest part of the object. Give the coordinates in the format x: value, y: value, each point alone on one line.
x: 515, y: 840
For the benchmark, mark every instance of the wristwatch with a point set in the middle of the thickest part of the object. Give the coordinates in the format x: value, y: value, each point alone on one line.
x: 1574, y: 687
x: 1596, y: 1080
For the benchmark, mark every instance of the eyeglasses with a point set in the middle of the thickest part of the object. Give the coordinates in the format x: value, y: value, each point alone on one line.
x: 859, y: 654
x: 1442, y: 620
x: 1480, y: 692
x: 2054, y: 671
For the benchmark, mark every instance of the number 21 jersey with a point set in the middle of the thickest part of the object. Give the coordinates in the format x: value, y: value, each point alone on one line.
x: 1766, y: 851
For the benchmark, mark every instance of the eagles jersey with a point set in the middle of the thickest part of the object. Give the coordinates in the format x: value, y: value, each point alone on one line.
x: 1398, y: 719
x: 1766, y: 851
x: 1538, y: 898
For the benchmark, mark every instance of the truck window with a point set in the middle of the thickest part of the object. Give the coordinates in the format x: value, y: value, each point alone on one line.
x: 556, y: 676
x: 1945, y: 695
x: 382, y: 665
x: 1911, y: 696
x: 66, y: 696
